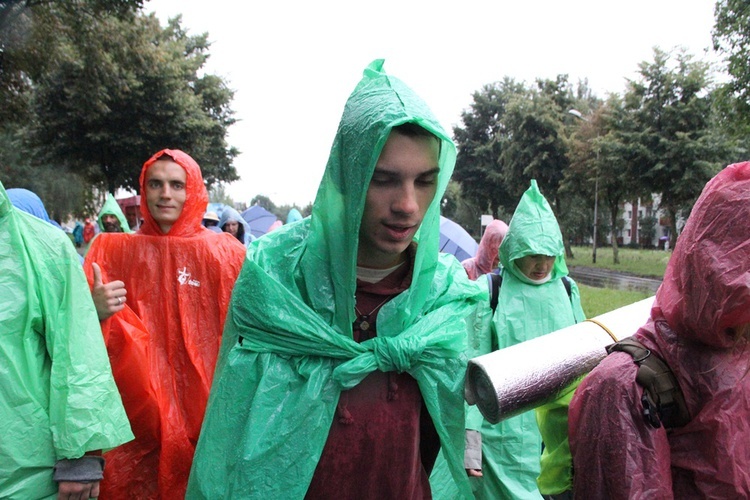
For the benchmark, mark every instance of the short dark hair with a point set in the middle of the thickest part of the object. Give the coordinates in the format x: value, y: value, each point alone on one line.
x: 411, y: 129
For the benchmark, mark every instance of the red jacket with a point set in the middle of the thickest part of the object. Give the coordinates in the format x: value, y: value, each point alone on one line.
x: 163, y: 345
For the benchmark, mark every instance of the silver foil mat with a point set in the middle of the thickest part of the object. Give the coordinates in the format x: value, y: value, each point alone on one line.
x: 519, y: 378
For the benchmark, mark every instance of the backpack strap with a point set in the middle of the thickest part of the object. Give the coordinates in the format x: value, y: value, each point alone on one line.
x: 567, y: 285
x: 663, y: 401
x: 495, y: 280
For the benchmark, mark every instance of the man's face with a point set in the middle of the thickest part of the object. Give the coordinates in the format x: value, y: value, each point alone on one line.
x: 111, y: 224
x: 535, y: 267
x: 402, y: 188
x: 232, y: 227
x: 165, y: 192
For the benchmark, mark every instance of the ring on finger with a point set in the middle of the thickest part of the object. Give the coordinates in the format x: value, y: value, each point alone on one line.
x: 119, y: 301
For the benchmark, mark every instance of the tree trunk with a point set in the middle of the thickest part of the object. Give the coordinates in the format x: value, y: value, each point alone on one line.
x: 672, y: 227
x: 564, y: 231
x: 613, y: 220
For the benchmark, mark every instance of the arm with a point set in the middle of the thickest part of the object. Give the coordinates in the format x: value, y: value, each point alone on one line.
x: 616, y: 454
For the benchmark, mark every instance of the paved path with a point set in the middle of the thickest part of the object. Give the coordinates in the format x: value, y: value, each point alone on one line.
x: 605, y: 278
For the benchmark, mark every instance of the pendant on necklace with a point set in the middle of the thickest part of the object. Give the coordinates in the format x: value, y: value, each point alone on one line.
x: 363, y: 325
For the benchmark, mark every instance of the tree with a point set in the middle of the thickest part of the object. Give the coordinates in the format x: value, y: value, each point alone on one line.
x: 478, y: 165
x: 123, y: 89
x: 674, y: 151
x: 731, y: 36
x: 535, y: 145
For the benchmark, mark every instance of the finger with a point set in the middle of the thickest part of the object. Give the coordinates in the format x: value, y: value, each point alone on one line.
x: 94, y: 490
x: 97, y: 274
x: 115, y: 286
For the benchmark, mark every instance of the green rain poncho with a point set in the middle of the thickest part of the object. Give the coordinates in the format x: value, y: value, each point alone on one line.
x: 275, y: 393
x: 512, y: 448
x: 58, y: 398
x: 112, y: 207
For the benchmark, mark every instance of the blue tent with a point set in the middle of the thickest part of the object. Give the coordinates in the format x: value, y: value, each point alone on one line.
x: 455, y: 240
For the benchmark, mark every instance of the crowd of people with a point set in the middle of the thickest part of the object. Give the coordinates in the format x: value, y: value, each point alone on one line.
x: 326, y: 359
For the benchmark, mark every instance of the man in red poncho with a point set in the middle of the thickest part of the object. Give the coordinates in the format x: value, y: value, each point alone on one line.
x: 162, y: 296
x: 700, y: 326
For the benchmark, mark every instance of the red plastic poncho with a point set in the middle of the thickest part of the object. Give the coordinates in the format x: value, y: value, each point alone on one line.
x: 705, y: 294
x: 487, y: 257
x: 163, y: 345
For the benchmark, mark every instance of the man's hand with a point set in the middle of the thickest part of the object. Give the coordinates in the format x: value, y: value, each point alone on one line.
x: 69, y: 490
x: 473, y: 472
x: 109, y: 298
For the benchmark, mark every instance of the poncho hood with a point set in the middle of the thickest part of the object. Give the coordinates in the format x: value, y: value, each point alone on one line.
x: 706, y: 287
x: 196, y: 199
x: 489, y: 246
x: 29, y: 202
x: 378, y: 104
x: 111, y: 207
x: 533, y: 230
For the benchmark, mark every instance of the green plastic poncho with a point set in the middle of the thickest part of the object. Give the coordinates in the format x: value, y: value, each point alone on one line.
x: 112, y: 207
x: 275, y: 392
x: 58, y: 398
x: 512, y: 448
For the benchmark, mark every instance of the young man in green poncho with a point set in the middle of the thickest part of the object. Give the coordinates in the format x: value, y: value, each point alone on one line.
x: 341, y: 370
x: 59, y: 404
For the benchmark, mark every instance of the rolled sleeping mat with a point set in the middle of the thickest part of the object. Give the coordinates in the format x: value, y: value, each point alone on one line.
x: 521, y: 377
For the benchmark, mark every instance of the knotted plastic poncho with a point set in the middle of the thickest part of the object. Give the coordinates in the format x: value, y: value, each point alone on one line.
x: 58, y: 398
x: 276, y: 392
x: 704, y: 296
x: 163, y: 345
x: 525, y: 310
x: 111, y: 207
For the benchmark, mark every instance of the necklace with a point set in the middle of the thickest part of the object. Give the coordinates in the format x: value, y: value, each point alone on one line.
x: 362, y: 323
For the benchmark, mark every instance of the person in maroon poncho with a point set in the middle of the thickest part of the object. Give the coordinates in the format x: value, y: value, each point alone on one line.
x: 700, y: 326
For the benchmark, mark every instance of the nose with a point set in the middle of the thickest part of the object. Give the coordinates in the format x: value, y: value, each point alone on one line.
x: 405, y: 201
x: 166, y: 191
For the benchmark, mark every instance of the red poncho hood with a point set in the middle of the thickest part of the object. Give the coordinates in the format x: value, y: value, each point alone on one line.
x: 487, y: 252
x: 196, y: 199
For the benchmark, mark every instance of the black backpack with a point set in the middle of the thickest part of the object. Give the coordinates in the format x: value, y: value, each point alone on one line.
x: 497, y: 279
x: 663, y: 401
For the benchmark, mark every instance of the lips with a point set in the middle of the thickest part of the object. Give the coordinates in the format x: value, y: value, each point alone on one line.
x: 399, y: 232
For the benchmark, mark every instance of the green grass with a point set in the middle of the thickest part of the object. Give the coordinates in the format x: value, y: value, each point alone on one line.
x: 596, y: 301
x: 650, y: 263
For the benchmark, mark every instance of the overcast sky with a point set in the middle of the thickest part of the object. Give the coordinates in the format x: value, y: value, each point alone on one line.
x: 292, y: 64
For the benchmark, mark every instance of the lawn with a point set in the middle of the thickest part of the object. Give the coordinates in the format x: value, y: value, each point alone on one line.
x: 596, y: 301
x: 650, y: 263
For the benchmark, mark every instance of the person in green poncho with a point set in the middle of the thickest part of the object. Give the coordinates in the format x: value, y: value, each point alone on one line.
x: 111, y: 219
x: 59, y: 403
x: 341, y: 369
x: 536, y: 297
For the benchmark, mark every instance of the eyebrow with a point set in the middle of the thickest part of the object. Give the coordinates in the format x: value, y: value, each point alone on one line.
x: 385, y: 170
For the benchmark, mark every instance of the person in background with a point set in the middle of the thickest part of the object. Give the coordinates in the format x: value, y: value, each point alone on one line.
x: 89, y: 231
x: 536, y: 297
x: 59, y: 403
x: 210, y: 219
x: 232, y: 222
x: 111, y: 219
x: 700, y: 327
x: 341, y: 372
x: 487, y: 258
x: 162, y: 296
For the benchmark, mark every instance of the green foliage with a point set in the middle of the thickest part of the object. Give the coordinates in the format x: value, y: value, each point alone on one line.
x: 596, y: 301
x: 674, y: 153
x: 90, y: 89
x: 649, y: 263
